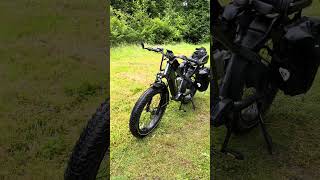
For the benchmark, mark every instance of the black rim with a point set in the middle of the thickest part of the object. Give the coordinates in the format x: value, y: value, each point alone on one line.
x: 151, y: 114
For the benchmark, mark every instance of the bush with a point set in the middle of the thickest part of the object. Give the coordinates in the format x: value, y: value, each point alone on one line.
x: 164, y: 22
x: 118, y: 27
x: 197, y: 30
x: 159, y: 32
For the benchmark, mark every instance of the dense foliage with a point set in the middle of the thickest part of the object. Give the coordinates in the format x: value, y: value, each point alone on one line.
x: 159, y: 21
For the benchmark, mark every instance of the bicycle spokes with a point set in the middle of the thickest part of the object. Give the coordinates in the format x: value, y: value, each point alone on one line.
x: 151, y: 111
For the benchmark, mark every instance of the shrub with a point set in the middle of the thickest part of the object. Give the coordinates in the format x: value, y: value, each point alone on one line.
x: 118, y: 27
x: 197, y: 29
x: 160, y: 31
x: 159, y: 22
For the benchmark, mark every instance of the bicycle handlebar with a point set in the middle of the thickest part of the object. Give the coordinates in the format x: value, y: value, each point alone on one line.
x: 151, y: 49
x: 183, y: 57
x: 154, y: 49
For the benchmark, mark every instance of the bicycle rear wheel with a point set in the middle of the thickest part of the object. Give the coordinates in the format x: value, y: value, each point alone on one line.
x: 248, y: 117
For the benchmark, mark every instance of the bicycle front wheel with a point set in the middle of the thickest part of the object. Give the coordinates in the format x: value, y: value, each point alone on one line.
x: 91, y: 148
x: 148, y: 111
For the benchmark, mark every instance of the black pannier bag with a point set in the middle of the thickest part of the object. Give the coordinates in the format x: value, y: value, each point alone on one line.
x: 202, y: 78
x: 299, y: 59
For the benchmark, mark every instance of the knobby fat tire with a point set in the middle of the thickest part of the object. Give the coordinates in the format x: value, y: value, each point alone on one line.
x: 91, y: 147
x: 139, y: 107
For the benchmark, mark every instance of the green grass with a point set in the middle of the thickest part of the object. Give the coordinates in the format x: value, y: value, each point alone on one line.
x: 179, y: 147
x: 53, y: 76
x: 293, y: 123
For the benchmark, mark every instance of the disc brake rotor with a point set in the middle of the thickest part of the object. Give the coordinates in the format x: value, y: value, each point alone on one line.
x: 251, y: 112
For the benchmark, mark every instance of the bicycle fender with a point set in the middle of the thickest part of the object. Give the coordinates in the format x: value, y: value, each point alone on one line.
x: 163, y: 86
x: 159, y: 85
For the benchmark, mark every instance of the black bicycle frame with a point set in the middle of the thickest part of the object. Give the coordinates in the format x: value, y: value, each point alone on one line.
x: 258, y: 32
x: 170, y: 75
x: 172, y: 70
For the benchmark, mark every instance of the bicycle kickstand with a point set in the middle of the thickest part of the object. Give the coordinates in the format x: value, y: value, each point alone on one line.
x: 193, y: 106
x: 180, y: 108
x: 266, y: 135
x: 227, y: 151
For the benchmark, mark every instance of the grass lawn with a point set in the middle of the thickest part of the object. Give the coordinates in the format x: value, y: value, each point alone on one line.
x: 293, y: 123
x: 53, y: 76
x: 179, y: 148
